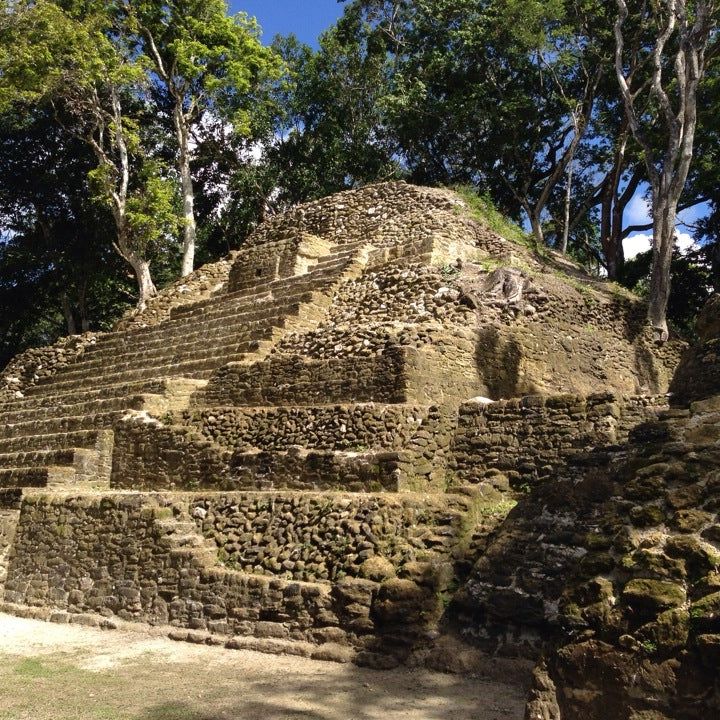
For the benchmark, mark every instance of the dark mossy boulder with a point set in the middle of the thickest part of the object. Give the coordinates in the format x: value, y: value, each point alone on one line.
x: 648, y: 597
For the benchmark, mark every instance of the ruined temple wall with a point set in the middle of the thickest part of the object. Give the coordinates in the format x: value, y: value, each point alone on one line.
x: 313, y: 537
x: 698, y: 376
x: 150, y: 455
x: 326, y: 427
x: 258, y: 265
x: 357, y: 215
x: 209, y: 280
x: 108, y: 555
x: 293, y: 380
x: 38, y: 364
x: 532, y: 439
x: 116, y: 556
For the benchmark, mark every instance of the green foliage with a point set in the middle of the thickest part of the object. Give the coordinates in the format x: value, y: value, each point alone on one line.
x: 691, y: 285
x: 152, y: 211
x: 56, y: 243
x: 483, y: 209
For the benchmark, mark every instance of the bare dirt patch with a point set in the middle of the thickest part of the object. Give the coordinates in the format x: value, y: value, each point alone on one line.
x: 62, y: 672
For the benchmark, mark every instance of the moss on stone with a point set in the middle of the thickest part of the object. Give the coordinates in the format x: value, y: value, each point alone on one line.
x: 647, y: 515
x: 653, y: 595
x: 668, y: 632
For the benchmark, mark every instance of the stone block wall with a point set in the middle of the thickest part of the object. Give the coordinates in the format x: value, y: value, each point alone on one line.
x: 314, y: 537
x: 116, y: 556
x: 261, y: 264
x: 153, y: 456
x: 357, y: 214
x: 293, y: 380
x: 389, y: 215
x: 300, y: 469
x: 110, y: 556
x: 407, y: 293
x: 327, y: 427
x: 8, y: 525
x: 356, y: 447
x: 37, y: 364
x: 532, y: 439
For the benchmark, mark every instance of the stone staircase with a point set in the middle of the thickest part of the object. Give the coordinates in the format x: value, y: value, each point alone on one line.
x: 282, y: 450
x: 57, y: 434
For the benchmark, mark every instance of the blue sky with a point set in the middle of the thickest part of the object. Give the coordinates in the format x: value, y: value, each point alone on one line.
x: 306, y: 18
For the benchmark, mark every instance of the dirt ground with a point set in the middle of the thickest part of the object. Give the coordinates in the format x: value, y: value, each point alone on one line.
x: 67, y: 672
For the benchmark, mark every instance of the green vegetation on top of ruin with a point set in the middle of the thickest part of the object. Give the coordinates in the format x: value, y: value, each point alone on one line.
x: 483, y: 210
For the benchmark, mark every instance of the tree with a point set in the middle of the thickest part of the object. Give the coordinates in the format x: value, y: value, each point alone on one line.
x: 208, y: 64
x: 691, y: 287
x: 81, y: 63
x: 681, y: 38
x: 329, y: 134
x: 58, y: 271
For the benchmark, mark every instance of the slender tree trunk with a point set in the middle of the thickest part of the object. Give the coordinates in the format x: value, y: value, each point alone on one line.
x: 606, y: 207
x: 537, y: 229
x: 68, y: 313
x: 141, y: 266
x: 664, y: 217
x: 617, y: 251
x: 146, y: 287
x: 566, y: 221
x: 188, y: 192
x: 669, y: 174
x: 82, y: 307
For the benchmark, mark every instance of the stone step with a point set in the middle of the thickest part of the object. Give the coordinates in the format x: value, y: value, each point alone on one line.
x: 37, y: 458
x: 24, y: 477
x: 192, y: 334
x: 243, y: 306
x: 187, y: 345
x: 47, y: 395
x: 64, y: 424
x: 162, y: 356
x: 68, y: 411
x: 224, y: 309
x: 289, y: 380
x: 197, y: 369
x: 313, y: 280
x: 253, y: 296
x: 329, y: 270
x: 56, y: 441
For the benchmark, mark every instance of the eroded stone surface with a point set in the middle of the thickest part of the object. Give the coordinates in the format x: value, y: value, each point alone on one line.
x: 376, y: 424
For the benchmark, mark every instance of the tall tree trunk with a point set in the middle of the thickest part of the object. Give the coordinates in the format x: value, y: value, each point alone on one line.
x: 615, y: 244
x: 141, y: 266
x: 181, y: 121
x: 566, y: 221
x: 537, y: 229
x: 82, y: 307
x: 664, y: 216
x: 669, y: 173
x: 188, y: 193
x: 146, y: 287
x: 68, y: 313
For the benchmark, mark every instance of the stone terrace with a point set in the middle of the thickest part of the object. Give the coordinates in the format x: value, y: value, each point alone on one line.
x: 298, y: 445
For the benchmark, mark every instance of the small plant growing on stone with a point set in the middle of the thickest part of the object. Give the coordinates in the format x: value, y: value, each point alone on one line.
x: 449, y: 272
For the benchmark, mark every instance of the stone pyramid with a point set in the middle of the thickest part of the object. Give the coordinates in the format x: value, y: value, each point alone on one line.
x: 305, y: 447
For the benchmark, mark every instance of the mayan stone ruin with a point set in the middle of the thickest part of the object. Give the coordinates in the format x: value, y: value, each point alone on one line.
x: 381, y: 433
